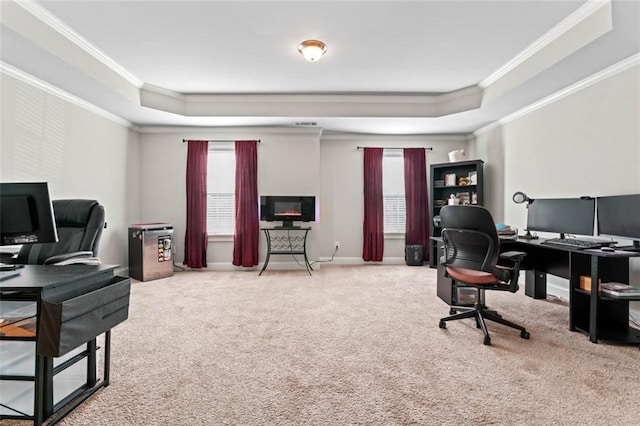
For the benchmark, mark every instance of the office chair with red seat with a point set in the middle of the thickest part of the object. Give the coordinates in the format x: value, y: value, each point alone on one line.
x: 471, y: 253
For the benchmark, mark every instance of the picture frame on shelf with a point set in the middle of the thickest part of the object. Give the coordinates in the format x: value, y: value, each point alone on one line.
x: 450, y: 179
x: 473, y: 178
x: 464, y: 198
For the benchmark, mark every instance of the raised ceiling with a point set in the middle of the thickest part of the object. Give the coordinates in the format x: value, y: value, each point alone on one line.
x: 392, y: 67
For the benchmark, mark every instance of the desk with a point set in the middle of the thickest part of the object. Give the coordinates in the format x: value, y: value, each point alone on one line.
x: 62, y: 308
x: 599, y: 316
x: 280, y: 241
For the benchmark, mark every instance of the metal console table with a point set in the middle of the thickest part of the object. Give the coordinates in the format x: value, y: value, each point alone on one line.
x: 280, y: 241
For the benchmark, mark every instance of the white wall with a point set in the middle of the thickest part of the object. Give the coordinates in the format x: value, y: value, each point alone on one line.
x: 47, y: 137
x: 585, y: 143
x: 290, y: 161
x: 288, y: 164
x: 342, y: 176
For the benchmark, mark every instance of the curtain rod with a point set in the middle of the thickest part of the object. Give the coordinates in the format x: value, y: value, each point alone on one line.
x: 363, y: 147
x: 219, y: 140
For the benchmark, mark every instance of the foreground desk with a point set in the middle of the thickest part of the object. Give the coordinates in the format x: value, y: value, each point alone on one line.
x: 599, y: 316
x: 286, y: 241
x: 52, y: 316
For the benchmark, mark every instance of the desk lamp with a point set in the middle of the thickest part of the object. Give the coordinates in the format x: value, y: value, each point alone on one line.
x: 519, y: 198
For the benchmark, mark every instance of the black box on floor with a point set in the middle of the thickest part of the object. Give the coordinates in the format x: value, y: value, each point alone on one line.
x: 413, y: 255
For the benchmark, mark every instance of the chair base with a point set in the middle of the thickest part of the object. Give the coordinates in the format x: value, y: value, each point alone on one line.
x: 481, y: 313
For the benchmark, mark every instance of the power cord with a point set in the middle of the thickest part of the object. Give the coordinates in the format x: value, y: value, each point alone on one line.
x: 317, y: 261
x: 329, y: 260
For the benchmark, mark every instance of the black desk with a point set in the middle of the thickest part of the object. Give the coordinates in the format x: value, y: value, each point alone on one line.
x: 284, y: 241
x: 601, y: 317
x: 73, y: 305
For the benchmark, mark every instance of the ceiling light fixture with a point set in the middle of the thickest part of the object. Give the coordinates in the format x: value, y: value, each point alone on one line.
x: 312, y: 50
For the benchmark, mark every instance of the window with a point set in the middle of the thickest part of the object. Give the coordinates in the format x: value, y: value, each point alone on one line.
x: 221, y: 182
x: 393, y: 192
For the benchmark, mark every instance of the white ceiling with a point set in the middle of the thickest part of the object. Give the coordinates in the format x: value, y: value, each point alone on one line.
x: 392, y: 67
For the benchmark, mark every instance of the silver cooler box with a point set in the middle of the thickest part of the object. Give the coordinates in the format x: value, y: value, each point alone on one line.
x: 150, y: 251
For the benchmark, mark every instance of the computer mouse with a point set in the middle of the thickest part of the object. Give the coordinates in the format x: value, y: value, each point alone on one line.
x: 607, y: 249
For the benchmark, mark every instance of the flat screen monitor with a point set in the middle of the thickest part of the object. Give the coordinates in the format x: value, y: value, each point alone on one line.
x: 287, y: 208
x: 562, y: 215
x: 26, y: 214
x: 619, y: 216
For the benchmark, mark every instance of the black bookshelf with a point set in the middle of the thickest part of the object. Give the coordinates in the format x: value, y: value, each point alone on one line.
x: 462, y: 180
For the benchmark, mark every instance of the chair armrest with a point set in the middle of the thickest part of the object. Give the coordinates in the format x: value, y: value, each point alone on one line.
x: 515, y: 256
x: 60, y: 257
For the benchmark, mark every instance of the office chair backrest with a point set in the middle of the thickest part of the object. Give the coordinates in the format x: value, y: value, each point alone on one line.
x: 471, y: 240
x: 79, y: 224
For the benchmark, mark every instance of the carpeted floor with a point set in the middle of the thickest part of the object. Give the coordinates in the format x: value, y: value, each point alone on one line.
x: 350, y: 345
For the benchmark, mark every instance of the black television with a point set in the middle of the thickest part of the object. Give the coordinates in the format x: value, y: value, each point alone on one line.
x: 562, y: 215
x: 619, y: 216
x: 26, y: 214
x: 288, y: 209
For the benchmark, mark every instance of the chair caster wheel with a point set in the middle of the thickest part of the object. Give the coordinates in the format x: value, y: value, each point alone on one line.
x: 524, y: 334
x: 487, y: 340
x: 442, y: 324
x: 452, y: 312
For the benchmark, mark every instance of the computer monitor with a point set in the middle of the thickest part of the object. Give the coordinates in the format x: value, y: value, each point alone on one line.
x: 26, y: 214
x: 562, y: 215
x: 619, y: 216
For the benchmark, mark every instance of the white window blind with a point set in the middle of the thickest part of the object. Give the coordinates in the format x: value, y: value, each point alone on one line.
x: 393, y: 198
x: 221, y: 182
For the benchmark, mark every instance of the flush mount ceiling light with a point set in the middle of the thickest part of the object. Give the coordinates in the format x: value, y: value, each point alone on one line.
x: 312, y: 50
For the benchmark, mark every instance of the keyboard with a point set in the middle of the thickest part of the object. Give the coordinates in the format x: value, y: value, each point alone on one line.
x: 573, y: 243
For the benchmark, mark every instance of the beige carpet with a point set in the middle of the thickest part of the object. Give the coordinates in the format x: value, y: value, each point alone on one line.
x: 356, y: 345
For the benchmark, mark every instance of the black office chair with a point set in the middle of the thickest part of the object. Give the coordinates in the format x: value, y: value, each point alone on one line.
x: 471, y: 253
x: 79, y: 224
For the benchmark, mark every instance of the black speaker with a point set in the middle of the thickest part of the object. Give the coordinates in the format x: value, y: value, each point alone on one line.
x: 413, y: 255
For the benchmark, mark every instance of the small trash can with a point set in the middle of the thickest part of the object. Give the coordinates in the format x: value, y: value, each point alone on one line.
x: 413, y: 254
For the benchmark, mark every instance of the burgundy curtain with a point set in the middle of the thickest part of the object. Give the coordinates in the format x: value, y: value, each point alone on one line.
x: 195, y: 239
x: 373, y: 232
x: 416, y: 199
x: 246, y: 235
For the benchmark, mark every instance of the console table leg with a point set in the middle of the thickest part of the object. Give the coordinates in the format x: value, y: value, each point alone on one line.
x: 266, y: 262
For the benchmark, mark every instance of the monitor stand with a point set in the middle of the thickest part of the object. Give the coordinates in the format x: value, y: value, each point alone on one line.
x: 528, y: 236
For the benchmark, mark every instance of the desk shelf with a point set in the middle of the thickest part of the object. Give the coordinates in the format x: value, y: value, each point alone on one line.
x: 600, y: 316
x: 48, y: 346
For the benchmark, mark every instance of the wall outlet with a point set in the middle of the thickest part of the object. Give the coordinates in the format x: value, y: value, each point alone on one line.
x: 337, y: 244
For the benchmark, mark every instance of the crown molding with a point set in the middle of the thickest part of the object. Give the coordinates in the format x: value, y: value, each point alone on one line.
x: 554, y: 33
x: 312, y: 104
x: 625, y: 64
x: 370, y: 137
x: 46, y: 87
x: 231, y: 132
x: 63, y: 29
x: 37, y: 24
x: 586, y: 24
